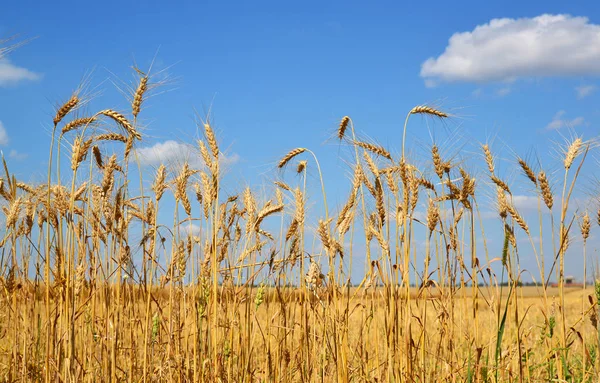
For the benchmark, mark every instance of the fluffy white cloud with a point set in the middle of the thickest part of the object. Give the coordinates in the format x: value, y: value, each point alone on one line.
x: 585, y: 90
x: 3, y: 135
x: 11, y: 74
x: 188, y: 228
x: 558, y: 121
x: 167, y: 152
x: 506, y: 49
x: 523, y: 202
x: 172, y: 152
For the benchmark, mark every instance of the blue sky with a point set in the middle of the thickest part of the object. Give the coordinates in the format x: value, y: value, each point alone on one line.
x: 278, y: 75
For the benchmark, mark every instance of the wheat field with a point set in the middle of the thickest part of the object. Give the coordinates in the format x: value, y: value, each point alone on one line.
x: 97, y: 288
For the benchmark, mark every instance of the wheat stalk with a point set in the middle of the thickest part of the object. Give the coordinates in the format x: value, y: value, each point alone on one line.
x: 424, y: 109
x: 374, y: 149
x: 343, y: 126
x: 301, y: 166
x: 138, y: 95
x: 527, y: 170
x: 121, y: 120
x: 77, y: 123
x: 433, y: 215
x: 572, y: 152
x: 291, y: 154
x: 545, y: 188
x: 65, y: 109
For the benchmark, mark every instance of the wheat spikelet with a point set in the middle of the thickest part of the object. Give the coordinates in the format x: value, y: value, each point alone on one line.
x: 527, y: 170
x: 379, y: 201
x: 323, y: 231
x: 265, y: 233
x: 212, y: 141
x: 265, y: 212
x: 489, y: 159
x: 180, y: 190
x: 185, y: 202
x: 293, y: 153
x: 585, y: 227
x: 379, y: 237
x: 78, y: 194
x: 301, y: 166
x: 546, y: 191
x: 107, y: 178
x: 374, y: 149
x: 159, y: 184
x: 501, y: 184
x: 12, y: 213
x: 346, y: 213
x: 205, y: 154
x: 424, y: 109
x: 283, y: 185
x: 511, y: 235
x: 427, y: 184
x: 279, y: 196
x: 437, y: 161
x: 30, y: 205
x: 198, y: 192
x: 371, y: 164
x: 150, y: 212
x: 502, y: 203
x: 77, y: 123
x: 454, y: 190
x: 250, y: 208
x: 121, y: 120
x: 391, y: 182
x: 65, y: 109
x: 128, y: 146
x: 111, y: 137
x: 138, y: 96
x: 368, y: 184
x: 80, y: 151
x: 453, y: 238
x: 598, y: 217
x: 572, y: 152
x: 299, y: 202
x: 292, y: 230
x: 433, y: 215
x: 458, y: 216
x: 343, y: 126
x: 314, y: 278
x: 414, y: 191
x: 518, y: 219
x: 26, y: 188
x: 97, y: 156
x: 79, y: 277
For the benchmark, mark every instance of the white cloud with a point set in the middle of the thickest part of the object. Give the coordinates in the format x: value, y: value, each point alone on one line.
x: 172, y: 152
x: 585, y: 90
x: 559, y: 122
x: 11, y: 74
x: 3, y: 135
x: 506, y: 49
x: 168, y: 152
x: 523, y: 202
x: 16, y: 155
x: 188, y: 228
x: 503, y: 91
